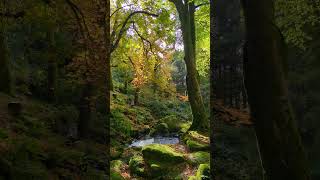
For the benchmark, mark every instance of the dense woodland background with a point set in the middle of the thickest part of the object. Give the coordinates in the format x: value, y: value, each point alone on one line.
x: 78, y: 78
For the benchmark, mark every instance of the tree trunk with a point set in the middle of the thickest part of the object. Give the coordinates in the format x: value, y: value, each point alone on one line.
x: 186, y: 15
x: 265, y: 79
x: 85, y: 111
x: 52, y: 68
x: 136, y: 96
x: 5, y: 74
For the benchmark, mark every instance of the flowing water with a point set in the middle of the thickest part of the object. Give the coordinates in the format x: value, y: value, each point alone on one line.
x: 155, y: 140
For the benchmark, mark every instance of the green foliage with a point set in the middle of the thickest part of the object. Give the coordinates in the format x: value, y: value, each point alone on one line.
x: 120, y: 123
x: 296, y: 18
x: 136, y: 165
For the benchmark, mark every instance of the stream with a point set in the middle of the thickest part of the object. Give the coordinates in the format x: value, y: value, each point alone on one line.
x: 146, y: 140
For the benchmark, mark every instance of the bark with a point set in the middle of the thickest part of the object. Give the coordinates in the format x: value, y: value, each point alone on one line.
x: 265, y: 79
x: 136, y: 96
x: 52, y: 69
x: 85, y: 111
x: 5, y: 74
x: 186, y: 14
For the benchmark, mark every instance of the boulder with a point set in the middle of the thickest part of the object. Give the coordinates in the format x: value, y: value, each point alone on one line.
x: 161, y: 155
x: 160, y: 129
x: 196, y: 141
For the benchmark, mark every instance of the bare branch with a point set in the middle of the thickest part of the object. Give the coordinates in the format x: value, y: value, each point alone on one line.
x: 202, y: 4
x: 114, y: 12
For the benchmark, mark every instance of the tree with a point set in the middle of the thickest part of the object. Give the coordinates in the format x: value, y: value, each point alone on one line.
x: 265, y: 80
x: 5, y: 72
x: 5, y: 75
x: 186, y: 10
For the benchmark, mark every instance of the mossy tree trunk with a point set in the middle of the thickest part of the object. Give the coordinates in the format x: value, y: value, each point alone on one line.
x: 5, y: 74
x: 186, y: 10
x: 265, y: 79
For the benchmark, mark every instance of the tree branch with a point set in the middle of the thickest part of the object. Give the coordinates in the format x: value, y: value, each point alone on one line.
x: 142, y: 38
x: 202, y: 4
x: 123, y: 28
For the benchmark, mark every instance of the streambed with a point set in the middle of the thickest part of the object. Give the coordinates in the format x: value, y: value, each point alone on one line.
x: 146, y: 140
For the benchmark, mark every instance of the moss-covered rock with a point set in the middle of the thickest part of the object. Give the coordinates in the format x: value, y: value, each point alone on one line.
x: 160, y: 129
x: 136, y: 165
x: 196, y: 141
x: 162, y: 155
x: 199, y: 157
x: 196, y: 146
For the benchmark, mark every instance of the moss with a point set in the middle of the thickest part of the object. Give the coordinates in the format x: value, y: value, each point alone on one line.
x: 3, y: 134
x: 115, y: 169
x: 199, y: 157
x: 196, y: 141
x: 162, y: 155
x: 203, y: 172
x: 196, y: 146
x: 192, y: 178
x: 116, y: 165
x: 136, y: 165
x: 160, y: 129
x: 173, y: 123
x: 95, y: 174
x: 185, y: 126
x: 115, y: 175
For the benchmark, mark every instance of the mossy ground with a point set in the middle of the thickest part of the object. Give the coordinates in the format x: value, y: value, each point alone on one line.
x: 32, y: 148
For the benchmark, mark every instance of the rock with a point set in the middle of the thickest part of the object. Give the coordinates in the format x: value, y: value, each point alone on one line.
x: 196, y: 141
x: 160, y: 129
x: 163, y: 161
x: 161, y: 155
x: 196, y: 146
x: 199, y: 157
x: 15, y: 108
x: 136, y: 165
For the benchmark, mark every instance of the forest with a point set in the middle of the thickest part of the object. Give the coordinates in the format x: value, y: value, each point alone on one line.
x: 159, y: 89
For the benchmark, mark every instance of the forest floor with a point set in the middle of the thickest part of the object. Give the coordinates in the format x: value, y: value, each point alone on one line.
x: 34, y: 144
x: 38, y: 144
x: 236, y: 156
x: 153, y: 118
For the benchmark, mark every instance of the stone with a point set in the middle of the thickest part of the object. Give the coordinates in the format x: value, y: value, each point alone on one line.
x: 161, y: 155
